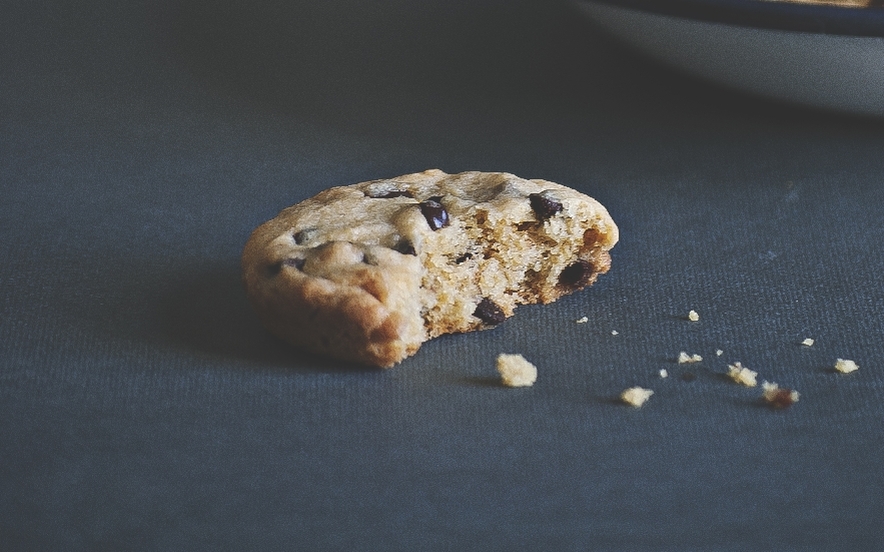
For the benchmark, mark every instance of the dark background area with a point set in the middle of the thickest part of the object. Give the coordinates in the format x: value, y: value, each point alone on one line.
x: 143, y: 408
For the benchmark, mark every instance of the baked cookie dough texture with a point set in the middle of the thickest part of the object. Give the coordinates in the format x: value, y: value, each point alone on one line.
x: 369, y: 272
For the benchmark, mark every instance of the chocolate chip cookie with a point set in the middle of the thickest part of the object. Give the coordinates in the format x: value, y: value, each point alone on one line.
x: 369, y: 272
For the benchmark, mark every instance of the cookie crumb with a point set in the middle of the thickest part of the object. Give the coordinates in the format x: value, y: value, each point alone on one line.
x: 664, y: 373
x: 615, y: 332
x: 684, y: 358
x: 808, y: 342
x: 583, y: 320
x: 636, y: 396
x: 718, y: 352
x: 742, y: 375
x: 515, y: 371
x: 693, y: 316
x: 846, y: 366
x: 778, y: 397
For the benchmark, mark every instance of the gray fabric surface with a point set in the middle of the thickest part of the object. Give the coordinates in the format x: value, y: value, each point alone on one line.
x: 143, y: 408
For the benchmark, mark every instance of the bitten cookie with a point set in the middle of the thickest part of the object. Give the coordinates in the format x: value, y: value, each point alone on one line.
x: 369, y: 272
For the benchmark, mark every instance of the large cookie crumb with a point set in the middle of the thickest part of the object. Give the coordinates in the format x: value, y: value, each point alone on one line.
x: 636, y: 396
x: 515, y: 371
x: 742, y: 375
x: 846, y: 366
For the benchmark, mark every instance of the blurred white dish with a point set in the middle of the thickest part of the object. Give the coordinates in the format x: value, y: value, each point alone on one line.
x: 816, y: 55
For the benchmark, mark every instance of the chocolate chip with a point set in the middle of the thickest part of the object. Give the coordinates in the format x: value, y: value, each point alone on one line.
x: 489, y: 313
x: 275, y: 268
x: 303, y: 236
x: 463, y: 258
x: 392, y: 194
x: 577, y: 274
x: 294, y: 263
x: 405, y: 247
x: 544, y: 205
x: 435, y: 213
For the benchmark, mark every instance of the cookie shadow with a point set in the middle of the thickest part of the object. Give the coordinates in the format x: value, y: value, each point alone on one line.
x: 208, y: 312
x: 489, y: 382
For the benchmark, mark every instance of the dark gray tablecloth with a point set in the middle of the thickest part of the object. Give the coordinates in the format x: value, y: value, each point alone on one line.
x: 143, y: 408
